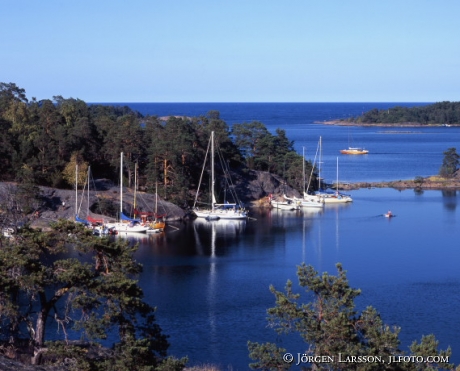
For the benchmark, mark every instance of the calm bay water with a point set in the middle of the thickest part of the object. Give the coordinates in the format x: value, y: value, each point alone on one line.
x: 210, y: 280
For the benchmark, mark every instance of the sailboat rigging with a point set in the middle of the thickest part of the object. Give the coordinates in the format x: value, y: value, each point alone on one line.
x: 97, y: 225
x: 353, y: 150
x: 77, y: 218
x: 126, y: 224
x: 331, y: 197
x: 217, y: 211
x: 308, y: 201
x: 158, y: 223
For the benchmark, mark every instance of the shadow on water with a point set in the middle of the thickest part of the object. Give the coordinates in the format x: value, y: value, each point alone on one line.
x: 449, y: 198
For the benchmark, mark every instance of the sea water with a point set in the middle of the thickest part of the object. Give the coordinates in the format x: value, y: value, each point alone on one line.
x: 210, y: 280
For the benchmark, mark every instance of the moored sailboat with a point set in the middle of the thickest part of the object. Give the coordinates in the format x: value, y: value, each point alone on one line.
x: 156, y: 223
x: 217, y: 211
x: 77, y: 217
x: 289, y: 204
x: 354, y: 151
x: 332, y: 197
x: 95, y: 224
x: 308, y: 201
x: 125, y: 223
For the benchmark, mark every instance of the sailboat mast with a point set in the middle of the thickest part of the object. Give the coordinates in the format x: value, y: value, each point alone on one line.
x: 320, y: 161
x: 156, y: 199
x: 76, y: 189
x: 303, y: 169
x: 121, y: 184
x: 87, y: 211
x: 212, y: 171
x: 135, y: 187
x: 337, y: 175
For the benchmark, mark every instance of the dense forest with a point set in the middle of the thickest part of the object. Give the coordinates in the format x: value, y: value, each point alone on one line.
x: 43, y: 141
x: 443, y: 113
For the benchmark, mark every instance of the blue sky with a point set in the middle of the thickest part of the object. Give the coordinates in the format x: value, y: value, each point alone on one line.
x: 232, y: 51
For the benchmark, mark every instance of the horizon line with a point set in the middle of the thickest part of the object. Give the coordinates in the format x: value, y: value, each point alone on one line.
x: 260, y: 102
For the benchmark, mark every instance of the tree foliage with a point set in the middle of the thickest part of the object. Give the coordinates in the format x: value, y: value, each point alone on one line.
x: 441, y: 113
x: 450, y: 163
x: 330, y: 326
x: 84, y: 287
x: 50, y: 135
x: 267, y: 152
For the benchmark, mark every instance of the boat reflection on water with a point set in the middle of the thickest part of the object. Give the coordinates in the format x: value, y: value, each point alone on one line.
x: 449, y: 199
x: 311, y: 212
x: 208, y: 232
x: 140, y: 238
x: 290, y: 220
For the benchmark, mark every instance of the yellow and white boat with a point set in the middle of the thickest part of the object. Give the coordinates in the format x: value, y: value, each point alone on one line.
x: 354, y: 151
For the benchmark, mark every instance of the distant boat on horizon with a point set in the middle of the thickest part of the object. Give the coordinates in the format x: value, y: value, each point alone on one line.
x: 354, y: 151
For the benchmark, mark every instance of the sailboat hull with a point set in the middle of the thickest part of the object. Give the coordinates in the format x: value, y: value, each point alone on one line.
x: 221, y: 214
x: 284, y: 205
x: 310, y: 203
x: 156, y: 227
x: 127, y: 227
x: 354, y: 151
x: 306, y: 202
x: 340, y: 199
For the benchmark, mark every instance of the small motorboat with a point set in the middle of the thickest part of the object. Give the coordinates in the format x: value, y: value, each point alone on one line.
x: 389, y: 214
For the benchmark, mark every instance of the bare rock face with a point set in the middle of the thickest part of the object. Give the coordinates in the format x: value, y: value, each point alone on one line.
x: 259, y: 184
x: 55, y: 204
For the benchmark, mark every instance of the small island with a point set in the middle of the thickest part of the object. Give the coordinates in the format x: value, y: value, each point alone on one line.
x: 445, y: 114
x: 418, y: 183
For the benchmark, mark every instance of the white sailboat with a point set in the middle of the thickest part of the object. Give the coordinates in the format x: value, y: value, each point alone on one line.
x: 77, y: 218
x: 97, y: 225
x: 331, y: 197
x: 339, y: 197
x: 353, y: 150
x: 285, y: 206
x: 217, y: 211
x: 308, y: 201
x: 126, y: 224
x: 289, y: 205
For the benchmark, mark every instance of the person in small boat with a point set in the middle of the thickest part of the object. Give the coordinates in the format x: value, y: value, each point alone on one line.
x: 389, y: 213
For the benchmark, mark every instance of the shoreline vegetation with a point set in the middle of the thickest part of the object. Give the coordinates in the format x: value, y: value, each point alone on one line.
x: 438, y: 114
x: 418, y: 183
x: 340, y: 122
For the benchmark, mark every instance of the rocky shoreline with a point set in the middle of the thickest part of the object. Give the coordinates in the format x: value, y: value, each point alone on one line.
x: 55, y: 204
x: 428, y: 183
x: 386, y: 125
x: 60, y: 203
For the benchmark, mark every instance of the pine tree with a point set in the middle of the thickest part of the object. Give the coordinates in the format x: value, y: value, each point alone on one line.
x: 450, y: 163
x: 333, y: 330
x: 83, y: 285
